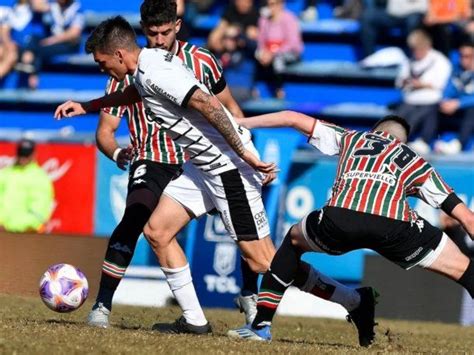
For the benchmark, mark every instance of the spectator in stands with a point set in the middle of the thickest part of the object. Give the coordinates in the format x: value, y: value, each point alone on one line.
x: 241, y: 17
x: 26, y: 193
x: 458, y: 101
x: 351, y: 9
x: 183, y: 34
x: 376, y: 18
x: 8, y: 49
x: 310, y: 12
x: 64, y: 23
x: 279, y: 44
x: 422, y: 80
x: 442, y: 15
x: 22, y: 23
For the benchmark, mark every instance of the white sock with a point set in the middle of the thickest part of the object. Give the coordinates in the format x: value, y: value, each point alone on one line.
x: 317, y: 283
x: 181, y: 284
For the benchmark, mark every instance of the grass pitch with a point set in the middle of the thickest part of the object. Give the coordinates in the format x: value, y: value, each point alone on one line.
x: 28, y: 327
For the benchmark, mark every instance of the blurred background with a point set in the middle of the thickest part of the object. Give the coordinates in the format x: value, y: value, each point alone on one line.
x: 346, y: 61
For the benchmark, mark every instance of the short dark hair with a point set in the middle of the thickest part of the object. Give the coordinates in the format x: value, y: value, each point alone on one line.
x: 467, y: 41
x: 158, y: 12
x: 110, y: 35
x: 394, y: 118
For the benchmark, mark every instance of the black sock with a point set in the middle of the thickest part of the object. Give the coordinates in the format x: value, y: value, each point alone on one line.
x: 120, y: 251
x: 249, y: 279
x: 467, y: 279
x: 276, y: 280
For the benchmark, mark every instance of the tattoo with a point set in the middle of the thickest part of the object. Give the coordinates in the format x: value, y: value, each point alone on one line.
x: 217, y: 117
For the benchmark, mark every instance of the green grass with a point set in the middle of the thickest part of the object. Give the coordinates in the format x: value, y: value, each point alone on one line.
x: 28, y: 327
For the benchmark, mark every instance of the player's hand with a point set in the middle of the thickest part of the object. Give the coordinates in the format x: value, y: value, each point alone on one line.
x: 269, y: 178
x: 449, y: 106
x: 70, y: 109
x: 252, y: 160
x: 124, y: 157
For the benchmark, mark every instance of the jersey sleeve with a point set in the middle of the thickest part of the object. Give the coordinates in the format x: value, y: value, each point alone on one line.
x: 171, y: 79
x: 213, y: 71
x: 326, y: 137
x: 429, y: 186
x: 113, y: 86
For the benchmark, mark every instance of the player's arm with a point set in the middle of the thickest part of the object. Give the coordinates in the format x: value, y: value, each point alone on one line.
x: 464, y: 216
x: 119, y: 98
x: 225, y: 96
x: 296, y: 120
x: 210, y: 107
x: 430, y: 187
x: 106, y: 142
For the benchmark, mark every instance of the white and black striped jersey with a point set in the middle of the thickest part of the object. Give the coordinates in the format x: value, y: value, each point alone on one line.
x: 166, y: 84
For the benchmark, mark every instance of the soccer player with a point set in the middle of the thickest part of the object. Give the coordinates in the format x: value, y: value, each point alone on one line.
x: 368, y: 209
x: 155, y: 160
x: 223, y: 171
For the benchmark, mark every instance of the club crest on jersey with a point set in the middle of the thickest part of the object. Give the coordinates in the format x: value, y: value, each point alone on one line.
x: 385, y: 177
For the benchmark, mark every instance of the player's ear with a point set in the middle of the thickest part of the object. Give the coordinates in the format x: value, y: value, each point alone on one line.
x: 178, y: 25
x: 119, y: 54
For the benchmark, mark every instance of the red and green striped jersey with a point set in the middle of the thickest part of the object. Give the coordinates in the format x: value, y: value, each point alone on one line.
x: 376, y: 172
x: 148, y: 140
x: 204, y: 65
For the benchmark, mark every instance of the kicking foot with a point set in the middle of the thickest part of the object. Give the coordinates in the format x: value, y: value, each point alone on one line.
x: 363, y: 316
x: 248, y: 333
x: 99, y: 316
x: 247, y: 305
x: 181, y: 326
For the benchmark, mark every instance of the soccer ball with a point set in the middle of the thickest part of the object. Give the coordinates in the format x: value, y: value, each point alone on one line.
x: 63, y: 288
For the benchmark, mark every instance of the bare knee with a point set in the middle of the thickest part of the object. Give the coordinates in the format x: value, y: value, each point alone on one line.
x: 157, y: 237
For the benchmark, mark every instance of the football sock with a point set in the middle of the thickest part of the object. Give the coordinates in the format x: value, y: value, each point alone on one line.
x: 467, y: 279
x: 275, y: 281
x: 120, y: 251
x: 312, y: 281
x: 249, y: 279
x: 181, y: 284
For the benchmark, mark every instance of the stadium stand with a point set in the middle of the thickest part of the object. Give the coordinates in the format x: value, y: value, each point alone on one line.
x: 329, y: 82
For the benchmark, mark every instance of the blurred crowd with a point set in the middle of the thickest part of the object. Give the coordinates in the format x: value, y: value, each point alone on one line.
x: 33, y: 31
x: 434, y: 87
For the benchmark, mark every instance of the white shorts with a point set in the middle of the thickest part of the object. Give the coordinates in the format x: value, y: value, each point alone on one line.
x: 235, y: 194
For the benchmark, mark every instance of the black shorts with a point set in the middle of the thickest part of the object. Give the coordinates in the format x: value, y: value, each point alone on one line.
x: 338, y: 230
x: 147, y: 174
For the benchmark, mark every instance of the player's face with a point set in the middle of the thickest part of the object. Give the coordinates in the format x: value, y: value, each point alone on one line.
x: 111, y: 64
x: 163, y: 36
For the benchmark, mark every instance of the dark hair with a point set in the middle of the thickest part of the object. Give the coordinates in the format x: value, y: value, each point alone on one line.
x: 110, y: 35
x: 158, y: 12
x: 25, y: 148
x: 394, y: 118
x: 467, y: 40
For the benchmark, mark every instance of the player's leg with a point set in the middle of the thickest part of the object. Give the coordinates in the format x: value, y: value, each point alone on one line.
x: 119, y: 253
x: 181, y: 201
x: 287, y: 269
x: 142, y: 199
x: 453, y: 263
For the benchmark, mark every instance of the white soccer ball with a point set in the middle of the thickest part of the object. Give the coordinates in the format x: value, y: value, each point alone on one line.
x: 63, y: 288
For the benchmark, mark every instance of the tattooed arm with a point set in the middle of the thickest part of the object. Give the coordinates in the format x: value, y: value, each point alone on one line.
x: 210, y: 107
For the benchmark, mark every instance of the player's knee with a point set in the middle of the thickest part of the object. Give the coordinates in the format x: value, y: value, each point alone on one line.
x: 157, y: 237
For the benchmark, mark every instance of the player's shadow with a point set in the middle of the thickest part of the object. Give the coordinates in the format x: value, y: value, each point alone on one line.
x: 61, y: 322
x: 320, y: 343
